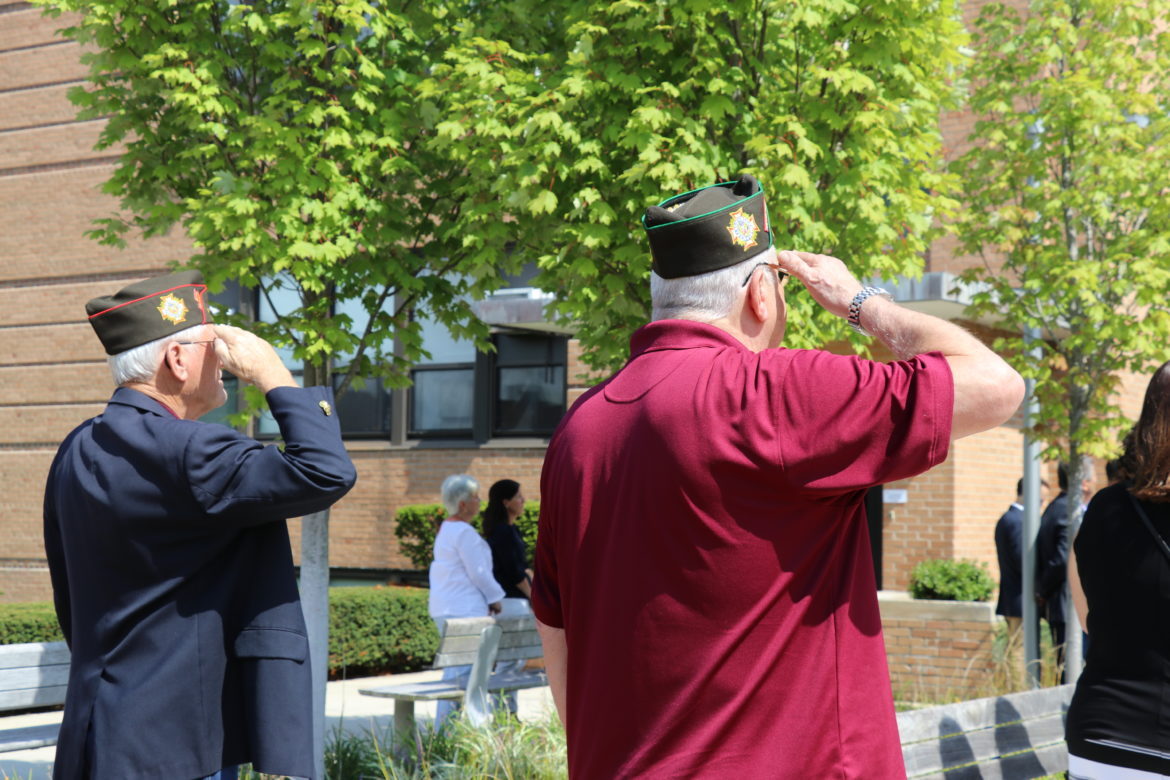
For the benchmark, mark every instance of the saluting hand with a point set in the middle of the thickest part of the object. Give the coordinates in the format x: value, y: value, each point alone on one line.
x: 251, y: 358
x: 830, y: 283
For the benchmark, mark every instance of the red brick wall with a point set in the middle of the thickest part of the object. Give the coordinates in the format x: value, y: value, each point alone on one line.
x: 938, y: 650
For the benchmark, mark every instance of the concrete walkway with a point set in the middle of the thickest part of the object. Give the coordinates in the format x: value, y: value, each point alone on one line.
x: 344, y: 708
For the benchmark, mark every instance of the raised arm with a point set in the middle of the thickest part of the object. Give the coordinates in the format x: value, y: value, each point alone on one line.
x: 987, y: 390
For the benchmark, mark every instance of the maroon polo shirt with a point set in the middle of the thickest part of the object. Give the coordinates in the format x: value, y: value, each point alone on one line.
x: 703, y: 543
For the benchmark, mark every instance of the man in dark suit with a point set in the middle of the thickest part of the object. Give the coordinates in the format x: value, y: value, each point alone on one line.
x: 1052, y: 566
x: 1009, y: 548
x: 169, y: 555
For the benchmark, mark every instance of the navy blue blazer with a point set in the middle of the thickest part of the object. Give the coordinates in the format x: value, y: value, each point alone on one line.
x: 1009, y: 547
x: 174, y: 585
x: 1052, y: 558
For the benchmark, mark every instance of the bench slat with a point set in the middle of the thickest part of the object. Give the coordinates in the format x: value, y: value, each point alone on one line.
x: 1045, y: 761
x: 465, y: 644
x: 33, y: 677
x: 473, y: 626
x: 29, y: 737
x: 441, y: 689
x: 418, y: 691
x: 983, y: 745
x: 33, y: 654
x: 443, y: 660
x: 918, y: 725
x: 32, y: 697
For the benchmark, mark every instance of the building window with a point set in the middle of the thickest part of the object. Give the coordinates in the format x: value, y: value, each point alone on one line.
x: 529, y: 384
x: 457, y: 392
x: 442, y: 400
x: 364, y: 408
x: 519, y: 390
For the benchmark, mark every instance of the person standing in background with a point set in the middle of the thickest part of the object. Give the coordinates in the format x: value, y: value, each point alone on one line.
x: 509, y: 553
x: 461, y: 578
x: 509, y: 561
x: 1009, y: 548
x: 1052, y: 544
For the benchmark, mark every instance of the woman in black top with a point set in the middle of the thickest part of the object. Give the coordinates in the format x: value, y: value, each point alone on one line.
x: 1119, y: 720
x: 509, y: 554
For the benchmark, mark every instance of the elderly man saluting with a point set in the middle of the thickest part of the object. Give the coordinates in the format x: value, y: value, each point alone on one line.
x: 172, y: 574
x: 703, y: 585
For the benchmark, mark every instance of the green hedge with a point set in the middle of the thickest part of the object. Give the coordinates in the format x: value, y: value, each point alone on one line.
x: 371, y: 630
x: 378, y: 630
x: 949, y: 580
x: 415, y: 527
x: 30, y: 622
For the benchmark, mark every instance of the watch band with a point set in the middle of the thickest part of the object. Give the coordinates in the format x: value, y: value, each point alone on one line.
x: 855, y: 306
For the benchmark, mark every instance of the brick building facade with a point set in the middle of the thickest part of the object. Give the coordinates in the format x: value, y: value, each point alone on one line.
x: 53, y: 373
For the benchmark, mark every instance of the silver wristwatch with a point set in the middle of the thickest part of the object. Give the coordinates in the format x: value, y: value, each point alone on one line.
x: 855, y: 306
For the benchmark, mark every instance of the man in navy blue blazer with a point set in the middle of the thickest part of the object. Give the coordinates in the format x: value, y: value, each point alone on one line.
x: 169, y: 555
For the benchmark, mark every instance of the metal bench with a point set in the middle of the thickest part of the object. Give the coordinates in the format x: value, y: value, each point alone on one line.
x: 479, y: 642
x: 1017, y: 736
x: 32, y: 675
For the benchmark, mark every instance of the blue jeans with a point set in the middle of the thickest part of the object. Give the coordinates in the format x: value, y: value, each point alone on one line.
x: 227, y: 773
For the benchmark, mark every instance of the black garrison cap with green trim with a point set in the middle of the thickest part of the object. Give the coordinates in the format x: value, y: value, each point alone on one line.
x: 707, y: 229
x: 148, y: 310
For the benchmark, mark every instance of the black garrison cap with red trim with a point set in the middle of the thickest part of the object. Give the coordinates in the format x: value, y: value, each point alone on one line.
x: 709, y: 228
x: 148, y: 310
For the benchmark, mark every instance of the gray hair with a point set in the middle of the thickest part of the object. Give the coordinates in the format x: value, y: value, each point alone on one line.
x: 704, y: 297
x: 140, y: 364
x: 457, y: 488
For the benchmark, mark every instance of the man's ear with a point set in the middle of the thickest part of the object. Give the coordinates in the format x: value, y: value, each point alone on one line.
x: 176, y: 362
x: 757, y: 295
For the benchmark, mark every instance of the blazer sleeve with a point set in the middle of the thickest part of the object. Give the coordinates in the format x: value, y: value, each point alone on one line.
x: 55, y: 554
x: 234, y: 476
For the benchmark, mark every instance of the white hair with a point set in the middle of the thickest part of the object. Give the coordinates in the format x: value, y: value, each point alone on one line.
x: 704, y: 297
x: 141, y: 363
x: 457, y: 488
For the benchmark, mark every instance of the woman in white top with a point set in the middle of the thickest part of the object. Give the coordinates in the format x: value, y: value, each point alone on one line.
x: 461, y: 578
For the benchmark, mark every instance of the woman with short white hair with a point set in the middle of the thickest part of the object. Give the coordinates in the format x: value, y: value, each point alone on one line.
x: 461, y: 578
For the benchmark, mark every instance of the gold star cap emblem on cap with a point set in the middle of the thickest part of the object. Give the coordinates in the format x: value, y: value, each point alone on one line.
x: 743, y: 229
x: 172, y: 309
x: 326, y: 408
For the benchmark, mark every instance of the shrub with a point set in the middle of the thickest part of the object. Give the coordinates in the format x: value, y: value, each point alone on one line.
x: 948, y: 580
x: 29, y: 622
x: 378, y: 630
x: 415, y: 527
x: 371, y: 630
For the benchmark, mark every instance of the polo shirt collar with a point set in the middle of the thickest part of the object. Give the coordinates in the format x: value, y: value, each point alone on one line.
x: 679, y: 334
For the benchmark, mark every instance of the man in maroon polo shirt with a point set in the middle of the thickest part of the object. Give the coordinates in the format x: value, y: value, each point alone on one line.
x: 703, y: 586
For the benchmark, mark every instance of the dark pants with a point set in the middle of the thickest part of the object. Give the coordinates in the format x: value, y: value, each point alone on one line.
x: 1057, y: 632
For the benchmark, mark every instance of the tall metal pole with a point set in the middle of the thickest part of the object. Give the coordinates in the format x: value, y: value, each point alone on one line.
x: 1031, y: 522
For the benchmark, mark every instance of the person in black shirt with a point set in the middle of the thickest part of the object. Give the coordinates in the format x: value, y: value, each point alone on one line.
x: 509, y: 561
x: 509, y: 554
x: 1118, y: 724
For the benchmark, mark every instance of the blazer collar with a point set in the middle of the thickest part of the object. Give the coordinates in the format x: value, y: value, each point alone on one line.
x: 125, y: 396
